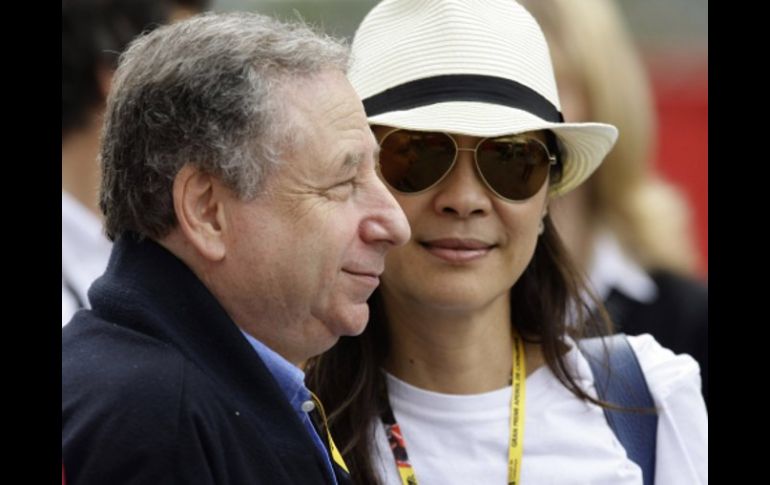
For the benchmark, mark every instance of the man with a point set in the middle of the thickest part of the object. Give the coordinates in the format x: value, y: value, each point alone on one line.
x: 249, y: 229
x: 94, y: 33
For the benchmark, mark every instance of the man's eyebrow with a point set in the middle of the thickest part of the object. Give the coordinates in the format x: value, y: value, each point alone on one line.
x: 352, y: 160
x: 376, y: 153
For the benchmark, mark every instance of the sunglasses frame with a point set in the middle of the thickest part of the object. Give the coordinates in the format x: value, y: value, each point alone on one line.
x: 551, y: 161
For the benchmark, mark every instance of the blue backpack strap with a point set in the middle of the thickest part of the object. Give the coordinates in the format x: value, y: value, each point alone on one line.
x: 623, y: 384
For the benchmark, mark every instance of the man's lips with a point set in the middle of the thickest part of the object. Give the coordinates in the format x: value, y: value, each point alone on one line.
x: 368, y: 277
x: 457, y: 250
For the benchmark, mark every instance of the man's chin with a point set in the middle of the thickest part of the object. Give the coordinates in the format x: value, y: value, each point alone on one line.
x: 353, y: 321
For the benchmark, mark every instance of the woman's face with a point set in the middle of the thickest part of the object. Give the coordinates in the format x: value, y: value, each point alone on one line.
x: 468, y: 246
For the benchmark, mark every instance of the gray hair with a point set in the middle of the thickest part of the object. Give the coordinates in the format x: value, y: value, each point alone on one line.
x: 206, y: 91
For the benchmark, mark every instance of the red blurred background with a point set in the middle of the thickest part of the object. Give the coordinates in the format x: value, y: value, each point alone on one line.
x: 680, y: 86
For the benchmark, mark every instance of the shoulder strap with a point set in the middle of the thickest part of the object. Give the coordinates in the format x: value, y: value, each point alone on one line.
x: 623, y: 383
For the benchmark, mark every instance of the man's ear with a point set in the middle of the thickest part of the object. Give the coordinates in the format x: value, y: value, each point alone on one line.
x: 200, y: 211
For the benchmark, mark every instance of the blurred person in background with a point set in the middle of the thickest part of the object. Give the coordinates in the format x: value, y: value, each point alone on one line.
x: 628, y: 229
x: 94, y: 33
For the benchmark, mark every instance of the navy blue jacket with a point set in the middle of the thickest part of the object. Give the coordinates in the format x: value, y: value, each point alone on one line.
x: 159, y: 386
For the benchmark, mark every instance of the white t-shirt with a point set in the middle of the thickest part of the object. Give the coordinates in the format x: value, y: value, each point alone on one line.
x: 463, y: 439
x: 84, y: 254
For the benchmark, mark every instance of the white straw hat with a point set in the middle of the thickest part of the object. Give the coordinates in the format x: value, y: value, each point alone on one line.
x: 474, y: 67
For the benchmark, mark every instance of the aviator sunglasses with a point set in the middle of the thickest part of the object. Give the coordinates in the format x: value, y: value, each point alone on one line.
x: 513, y: 167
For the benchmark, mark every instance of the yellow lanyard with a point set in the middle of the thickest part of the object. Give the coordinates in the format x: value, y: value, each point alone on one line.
x: 518, y: 380
x: 515, y: 444
x: 336, y: 456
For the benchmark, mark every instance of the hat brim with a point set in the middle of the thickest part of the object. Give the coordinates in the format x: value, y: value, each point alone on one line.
x: 584, y: 145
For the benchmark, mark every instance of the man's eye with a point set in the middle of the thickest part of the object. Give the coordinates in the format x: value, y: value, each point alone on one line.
x: 347, y: 183
x: 343, y: 189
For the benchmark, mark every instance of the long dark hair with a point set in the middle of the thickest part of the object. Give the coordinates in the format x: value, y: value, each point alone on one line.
x: 550, y: 300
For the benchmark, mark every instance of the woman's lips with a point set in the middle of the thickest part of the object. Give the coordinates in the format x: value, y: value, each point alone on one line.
x: 457, y: 250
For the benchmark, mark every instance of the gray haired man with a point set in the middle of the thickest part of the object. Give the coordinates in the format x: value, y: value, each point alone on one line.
x: 250, y: 228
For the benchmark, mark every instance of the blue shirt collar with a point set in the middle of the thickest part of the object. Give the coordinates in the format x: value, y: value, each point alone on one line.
x: 290, y: 378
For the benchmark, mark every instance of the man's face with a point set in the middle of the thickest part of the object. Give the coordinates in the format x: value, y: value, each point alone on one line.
x: 306, y: 253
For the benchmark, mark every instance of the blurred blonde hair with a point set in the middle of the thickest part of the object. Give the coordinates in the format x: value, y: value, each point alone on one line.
x: 589, y: 40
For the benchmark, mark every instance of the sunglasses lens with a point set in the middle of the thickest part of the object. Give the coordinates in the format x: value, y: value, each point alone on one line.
x: 412, y: 161
x: 515, y: 167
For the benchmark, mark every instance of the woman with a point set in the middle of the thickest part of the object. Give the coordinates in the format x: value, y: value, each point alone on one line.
x: 471, y: 340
